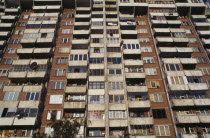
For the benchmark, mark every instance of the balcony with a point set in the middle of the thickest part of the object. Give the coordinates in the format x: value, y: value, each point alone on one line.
x: 131, y: 51
x: 182, y: 102
x: 188, y: 61
x: 139, y: 104
x: 141, y: 121
x: 133, y: 62
x: 189, y: 135
x: 97, y: 107
x: 117, y: 107
x: 96, y: 123
x: 178, y: 87
x: 78, y: 63
x: 36, y: 74
x: 133, y: 75
x: 6, y: 121
x: 9, y: 104
x: 75, y: 89
x: 187, y: 118
x: 28, y: 104
x: 204, y: 118
x: 8, y: 18
x: 13, y: 88
x: 17, y: 75
x: 77, y: 75
x: 202, y: 102
x: 27, y: 121
x: 118, y: 123
x: 198, y: 86
x: 74, y: 105
x: 137, y: 88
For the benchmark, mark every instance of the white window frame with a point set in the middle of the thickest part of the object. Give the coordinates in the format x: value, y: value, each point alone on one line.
x: 56, y: 99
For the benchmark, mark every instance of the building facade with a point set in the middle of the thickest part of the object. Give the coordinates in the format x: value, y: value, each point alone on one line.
x: 137, y: 67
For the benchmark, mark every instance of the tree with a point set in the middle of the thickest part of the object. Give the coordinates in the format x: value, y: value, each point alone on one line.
x: 65, y: 128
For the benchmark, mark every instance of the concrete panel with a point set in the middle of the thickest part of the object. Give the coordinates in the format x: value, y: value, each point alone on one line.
x: 183, y: 102
x: 202, y: 102
x: 6, y: 121
x: 28, y: 104
x: 32, y: 88
x: 137, y: 88
x: 139, y: 104
x: 134, y: 75
x: 8, y: 104
x: 188, y: 119
x: 204, y: 118
x: 118, y: 123
x: 116, y: 92
x: 178, y: 87
x: 117, y: 107
x: 141, y: 121
x: 96, y: 66
x: 198, y: 86
x: 94, y: 107
x: 26, y: 121
x: 76, y: 75
x: 96, y: 123
x: 17, y: 74
x: 96, y: 92
x: 75, y: 89
x: 96, y: 78
x: 74, y: 105
x: 38, y: 74
x: 116, y: 78
x: 13, y: 88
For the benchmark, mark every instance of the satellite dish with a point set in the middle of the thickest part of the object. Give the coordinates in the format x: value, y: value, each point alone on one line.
x: 34, y: 66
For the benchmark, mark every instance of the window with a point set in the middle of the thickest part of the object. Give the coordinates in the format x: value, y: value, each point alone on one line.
x: 194, y: 79
x: 141, y: 22
x: 4, y: 72
x: 115, y: 85
x: 56, y: 99
x: 2, y: 84
x: 62, y: 60
x: 66, y: 31
x: 22, y: 24
x: 153, y: 84
x: 96, y: 99
x: 19, y: 32
x: 69, y: 15
x: 7, y: 112
x: 114, y: 60
x: 156, y: 98
x: 112, y: 40
x: 192, y: 40
x: 67, y: 23
x: 205, y: 70
x: 146, y: 49
x: 115, y: 71
x: 150, y: 71
x: 33, y: 26
x: 96, y: 23
x: 96, y: 50
x: 177, y: 80
x: 54, y: 115
x: 112, y: 31
x: 11, y: 96
x: 58, y: 85
x: 172, y: 67
x: 196, y: 49
x: 188, y: 31
x: 96, y: 60
x: 77, y: 69
x: 148, y: 59
x: 96, y: 72
x: 131, y: 46
x: 74, y: 98
x: 113, y: 49
x: 162, y: 130
x: 28, y: 112
x: 63, y: 50
x: 59, y: 72
x: 7, y: 61
x: 144, y: 40
x: 48, y: 25
x: 116, y: 99
x: 32, y: 96
x: 134, y: 69
x: 11, y: 50
x: 124, y: 1
x: 179, y: 34
x: 96, y: 85
x: 159, y: 113
x: 78, y: 57
x: 15, y: 41
x: 95, y: 115
x: 96, y: 133
x: 201, y: 59
x: 142, y: 31
x: 117, y: 114
x: 185, y: 23
x: 65, y: 40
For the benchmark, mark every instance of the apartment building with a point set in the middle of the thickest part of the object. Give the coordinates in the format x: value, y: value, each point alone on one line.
x: 117, y: 66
